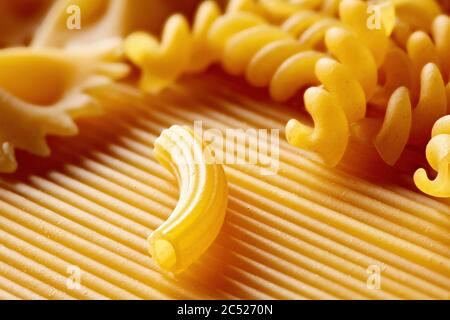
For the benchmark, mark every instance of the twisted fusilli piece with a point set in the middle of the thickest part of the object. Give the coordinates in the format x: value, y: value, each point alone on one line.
x: 346, y: 65
x: 246, y: 44
x: 427, y: 61
x: 438, y: 155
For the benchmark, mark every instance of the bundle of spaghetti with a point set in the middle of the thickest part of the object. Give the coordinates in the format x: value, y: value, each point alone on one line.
x: 438, y: 155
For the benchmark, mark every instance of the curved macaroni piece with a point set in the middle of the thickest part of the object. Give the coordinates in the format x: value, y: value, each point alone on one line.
x: 438, y: 155
x: 200, y: 212
x: 41, y: 91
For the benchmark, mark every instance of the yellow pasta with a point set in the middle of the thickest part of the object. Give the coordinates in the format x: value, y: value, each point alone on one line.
x: 83, y: 22
x: 413, y: 15
x: 403, y: 124
x: 200, y: 211
x: 245, y: 43
x: 427, y: 61
x: 18, y: 19
x: 419, y: 13
x: 438, y: 155
x: 349, y: 83
x: 374, y: 71
x: 292, y: 56
x: 42, y: 90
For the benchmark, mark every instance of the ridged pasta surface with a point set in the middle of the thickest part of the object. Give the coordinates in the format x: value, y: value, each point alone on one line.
x: 308, y: 232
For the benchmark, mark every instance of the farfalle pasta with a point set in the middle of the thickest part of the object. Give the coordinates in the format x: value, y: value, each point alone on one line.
x: 43, y: 90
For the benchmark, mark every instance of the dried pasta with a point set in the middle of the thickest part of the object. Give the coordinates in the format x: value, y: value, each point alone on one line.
x: 100, y: 19
x: 425, y: 60
x: 376, y: 71
x: 198, y: 217
x: 438, y: 155
x: 243, y: 42
x: 18, y: 19
x: 288, y: 46
x: 43, y: 90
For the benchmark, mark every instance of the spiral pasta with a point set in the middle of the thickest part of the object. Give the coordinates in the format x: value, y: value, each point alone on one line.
x: 349, y: 83
x: 244, y: 43
x: 438, y: 155
x: 429, y: 58
x: 342, y: 57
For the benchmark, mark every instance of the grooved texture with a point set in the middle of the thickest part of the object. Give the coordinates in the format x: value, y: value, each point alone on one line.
x: 309, y: 232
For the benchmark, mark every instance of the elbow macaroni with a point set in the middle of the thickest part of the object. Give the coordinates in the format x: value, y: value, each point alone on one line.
x: 199, y: 214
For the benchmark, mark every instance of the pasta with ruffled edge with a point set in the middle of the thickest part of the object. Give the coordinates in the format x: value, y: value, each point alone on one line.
x: 43, y: 90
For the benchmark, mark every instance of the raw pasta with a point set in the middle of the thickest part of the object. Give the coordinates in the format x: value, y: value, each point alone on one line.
x: 290, y: 46
x: 245, y: 43
x: 438, y: 155
x: 42, y: 90
x: 198, y: 217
